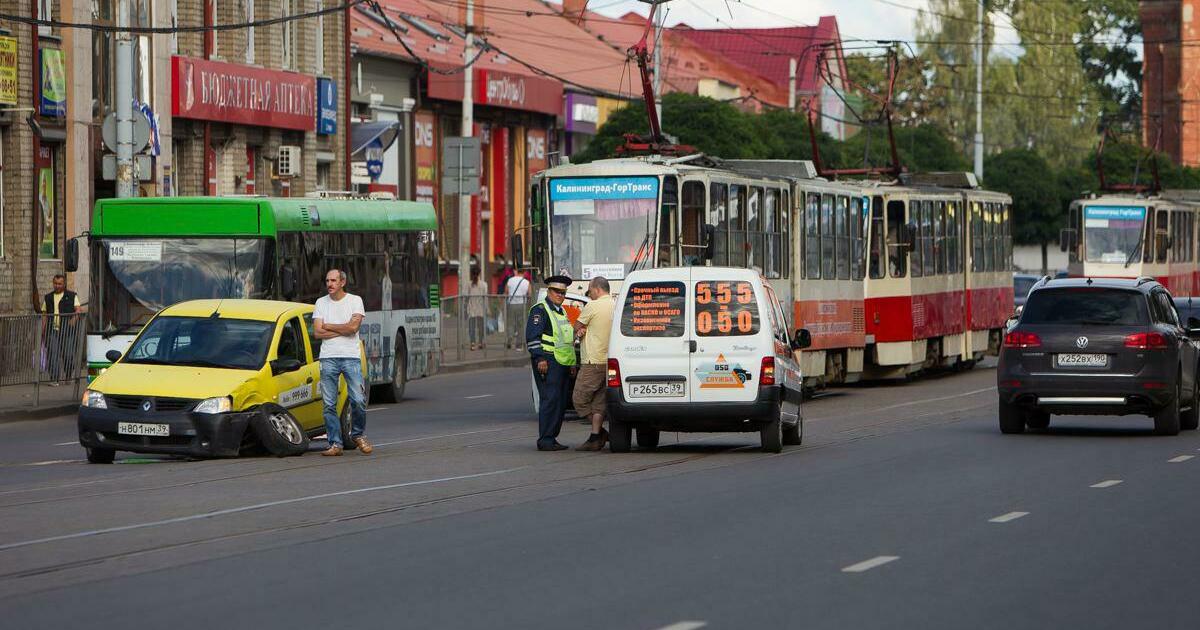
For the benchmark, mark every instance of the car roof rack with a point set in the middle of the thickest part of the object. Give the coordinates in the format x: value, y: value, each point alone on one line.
x: 1043, y: 280
x: 1144, y: 279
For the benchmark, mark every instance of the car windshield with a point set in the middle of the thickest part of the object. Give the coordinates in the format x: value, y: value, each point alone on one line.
x: 1112, y: 233
x: 239, y: 344
x: 599, y: 224
x: 1084, y: 306
x: 139, y: 277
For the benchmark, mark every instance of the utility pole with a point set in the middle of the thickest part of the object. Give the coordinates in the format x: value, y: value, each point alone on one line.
x: 979, y: 96
x: 124, y: 96
x: 468, y: 130
x: 658, y: 18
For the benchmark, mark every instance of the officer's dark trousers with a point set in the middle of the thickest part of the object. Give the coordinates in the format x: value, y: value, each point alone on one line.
x: 553, y: 390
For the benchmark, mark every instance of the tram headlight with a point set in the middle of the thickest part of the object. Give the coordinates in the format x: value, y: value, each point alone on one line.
x: 93, y: 399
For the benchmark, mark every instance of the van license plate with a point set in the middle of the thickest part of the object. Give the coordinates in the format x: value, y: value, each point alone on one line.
x: 1082, y: 360
x: 139, y: 428
x: 655, y: 390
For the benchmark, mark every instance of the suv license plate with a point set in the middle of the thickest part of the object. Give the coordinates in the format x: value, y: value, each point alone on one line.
x: 656, y: 390
x: 1082, y: 360
x: 138, y: 428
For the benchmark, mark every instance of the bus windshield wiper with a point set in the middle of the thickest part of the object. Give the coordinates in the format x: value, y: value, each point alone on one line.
x: 1137, y: 249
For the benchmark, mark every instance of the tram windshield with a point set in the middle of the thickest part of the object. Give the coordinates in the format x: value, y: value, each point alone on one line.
x: 600, y: 224
x: 1113, y: 234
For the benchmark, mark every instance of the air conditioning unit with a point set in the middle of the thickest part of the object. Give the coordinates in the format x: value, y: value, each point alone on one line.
x: 289, y: 161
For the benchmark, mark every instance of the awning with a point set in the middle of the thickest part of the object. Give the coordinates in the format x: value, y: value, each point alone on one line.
x: 363, y: 133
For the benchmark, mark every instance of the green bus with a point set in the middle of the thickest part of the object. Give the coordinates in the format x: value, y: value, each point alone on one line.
x: 149, y: 253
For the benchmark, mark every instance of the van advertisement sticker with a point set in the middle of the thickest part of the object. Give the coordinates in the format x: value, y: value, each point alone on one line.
x: 722, y: 375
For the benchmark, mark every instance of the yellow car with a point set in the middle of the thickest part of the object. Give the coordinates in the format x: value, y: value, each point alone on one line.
x: 212, y: 378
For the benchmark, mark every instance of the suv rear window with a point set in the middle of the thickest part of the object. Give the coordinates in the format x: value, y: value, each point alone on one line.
x: 726, y: 309
x: 1084, y: 305
x: 653, y: 309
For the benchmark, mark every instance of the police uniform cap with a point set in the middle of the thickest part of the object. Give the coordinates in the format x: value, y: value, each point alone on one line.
x: 558, y: 282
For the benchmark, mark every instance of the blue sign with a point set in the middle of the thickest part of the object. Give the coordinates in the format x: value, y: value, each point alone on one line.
x: 326, y: 107
x: 590, y: 188
x: 1126, y: 213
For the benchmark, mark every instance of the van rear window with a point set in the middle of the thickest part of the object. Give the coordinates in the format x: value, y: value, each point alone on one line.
x: 726, y: 309
x: 653, y: 309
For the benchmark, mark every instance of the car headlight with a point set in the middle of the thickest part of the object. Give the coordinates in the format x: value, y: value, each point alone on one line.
x: 214, y: 405
x: 93, y: 399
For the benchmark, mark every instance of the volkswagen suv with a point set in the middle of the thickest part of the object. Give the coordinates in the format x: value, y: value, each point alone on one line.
x: 1098, y: 347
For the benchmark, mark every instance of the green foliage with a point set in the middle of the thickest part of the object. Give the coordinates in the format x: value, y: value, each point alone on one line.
x: 1111, y: 57
x: 1037, y: 212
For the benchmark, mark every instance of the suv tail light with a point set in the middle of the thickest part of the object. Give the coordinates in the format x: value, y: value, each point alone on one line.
x: 767, y: 375
x: 614, y: 373
x: 1020, y: 339
x: 1146, y: 341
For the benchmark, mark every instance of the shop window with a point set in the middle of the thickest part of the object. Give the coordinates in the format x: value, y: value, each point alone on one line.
x: 47, y: 183
x: 288, y: 40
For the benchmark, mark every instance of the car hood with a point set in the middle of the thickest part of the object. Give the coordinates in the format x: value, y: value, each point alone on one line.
x: 170, y: 381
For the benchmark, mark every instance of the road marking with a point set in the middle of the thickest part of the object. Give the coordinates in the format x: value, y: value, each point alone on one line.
x: 480, y: 396
x: 1011, y: 516
x: 1106, y: 484
x: 867, y: 565
x: 72, y: 443
x: 376, y: 408
x: 248, y: 508
x: 50, y: 462
x: 435, y: 437
x: 685, y: 625
x: 1181, y: 458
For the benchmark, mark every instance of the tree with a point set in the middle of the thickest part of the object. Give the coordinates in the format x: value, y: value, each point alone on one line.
x: 1037, y: 210
x: 1110, y: 55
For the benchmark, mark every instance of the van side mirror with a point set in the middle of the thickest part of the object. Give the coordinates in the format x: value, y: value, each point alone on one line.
x: 281, y: 366
x: 287, y: 281
x: 710, y: 241
x: 71, y: 255
x: 113, y: 356
x: 516, y: 247
x: 802, y: 339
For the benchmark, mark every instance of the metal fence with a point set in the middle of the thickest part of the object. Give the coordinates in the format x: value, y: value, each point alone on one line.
x: 39, y: 350
x: 483, y: 326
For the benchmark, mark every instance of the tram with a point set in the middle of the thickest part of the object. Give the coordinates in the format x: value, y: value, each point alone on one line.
x: 888, y: 277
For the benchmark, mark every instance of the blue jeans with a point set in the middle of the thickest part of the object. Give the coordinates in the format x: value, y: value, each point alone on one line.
x: 351, y: 370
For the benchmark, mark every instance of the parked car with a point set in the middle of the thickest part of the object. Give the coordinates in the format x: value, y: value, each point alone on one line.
x: 1100, y: 347
x: 211, y: 378
x: 1188, y: 309
x: 702, y: 349
x: 1022, y: 283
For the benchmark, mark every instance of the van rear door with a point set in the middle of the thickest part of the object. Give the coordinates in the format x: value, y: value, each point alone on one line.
x: 654, y: 335
x: 728, y: 331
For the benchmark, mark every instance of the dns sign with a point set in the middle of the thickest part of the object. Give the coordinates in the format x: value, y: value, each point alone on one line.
x: 424, y: 134
x: 537, y: 147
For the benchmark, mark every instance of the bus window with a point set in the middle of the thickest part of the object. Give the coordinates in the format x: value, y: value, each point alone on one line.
x: 692, y: 217
x: 842, y: 219
x: 896, y: 247
x: 875, y: 263
x: 812, y: 237
x: 828, y: 248
x: 857, y: 218
x: 718, y: 215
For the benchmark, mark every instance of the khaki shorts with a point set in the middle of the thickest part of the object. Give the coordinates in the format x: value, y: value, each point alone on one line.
x: 590, y: 383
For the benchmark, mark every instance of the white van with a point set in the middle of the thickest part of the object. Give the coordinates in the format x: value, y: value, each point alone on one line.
x: 702, y: 349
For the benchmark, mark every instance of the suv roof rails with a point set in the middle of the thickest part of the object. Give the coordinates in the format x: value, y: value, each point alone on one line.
x: 1144, y: 279
x: 1043, y: 280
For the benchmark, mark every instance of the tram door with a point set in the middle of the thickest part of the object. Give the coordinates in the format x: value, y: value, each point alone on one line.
x: 692, y: 212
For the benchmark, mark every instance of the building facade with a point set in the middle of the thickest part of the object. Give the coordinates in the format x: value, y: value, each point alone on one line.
x: 1170, y: 98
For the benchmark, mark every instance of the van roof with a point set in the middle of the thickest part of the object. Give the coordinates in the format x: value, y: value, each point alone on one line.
x: 672, y: 273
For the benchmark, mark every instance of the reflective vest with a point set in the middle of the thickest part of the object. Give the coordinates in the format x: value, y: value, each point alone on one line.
x: 559, y: 339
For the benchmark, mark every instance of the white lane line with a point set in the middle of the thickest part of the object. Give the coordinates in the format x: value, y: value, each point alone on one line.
x: 248, y: 508
x: 480, y: 396
x: 376, y: 408
x: 685, y: 625
x: 1106, y: 484
x: 867, y: 565
x: 72, y: 443
x: 51, y: 462
x: 436, y: 437
x: 1011, y: 516
x: 1181, y: 458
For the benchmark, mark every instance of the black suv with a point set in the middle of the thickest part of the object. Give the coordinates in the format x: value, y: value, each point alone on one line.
x: 1101, y: 347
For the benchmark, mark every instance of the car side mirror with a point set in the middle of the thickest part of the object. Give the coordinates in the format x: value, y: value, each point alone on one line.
x: 283, y: 366
x: 287, y: 282
x: 802, y: 339
x: 71, y: 255
x: 113, y: 356
x: 516, y: 246
x: 710, y: 241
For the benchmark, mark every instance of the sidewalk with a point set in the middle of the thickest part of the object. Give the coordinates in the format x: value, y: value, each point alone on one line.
x: 34, y: 402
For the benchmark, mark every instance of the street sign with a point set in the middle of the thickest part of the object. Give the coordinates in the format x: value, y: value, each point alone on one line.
x: 460, y: 166
x: 141, y: 131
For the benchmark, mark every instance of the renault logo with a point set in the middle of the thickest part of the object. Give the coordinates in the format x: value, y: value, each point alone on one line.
x: 1081, y: 342
x: 146, y: 404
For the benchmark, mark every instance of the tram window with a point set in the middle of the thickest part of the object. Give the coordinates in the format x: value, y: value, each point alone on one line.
x: 842, y: 219
x: 896, y: 246
x: 692, y: 217
x: 952, y: 232
x: 812, y: 237
x: 828, y: 247
x: 876, y: 236
x: 1160, y: 244
x: 737, y: 225
x: 1148, y: 237
x: 718, y: 213
x: 987, y: 238
x: 1074, y: 223
x: 928, y: 255
x: 858, y: 216
x: 785, y: 229
x: 976, y: 235
x: 918, y: 240
x: 771, y: 227
x: 755, y: 219
x: 939, y: 236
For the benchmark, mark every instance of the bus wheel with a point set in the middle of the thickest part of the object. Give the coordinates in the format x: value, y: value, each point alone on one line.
x: 394, y: 392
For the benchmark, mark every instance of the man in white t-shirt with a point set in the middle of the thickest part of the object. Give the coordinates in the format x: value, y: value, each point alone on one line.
x: 516, y: 292
x: 336, y: 319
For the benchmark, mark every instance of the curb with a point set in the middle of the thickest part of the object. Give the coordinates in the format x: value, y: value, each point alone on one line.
x: 37, y: 413
x: 459, y: 367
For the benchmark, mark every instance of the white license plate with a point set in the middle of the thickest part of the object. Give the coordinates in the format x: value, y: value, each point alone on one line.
x: 656, y: 390
x: 139, y: 428
x: 1082, y: 360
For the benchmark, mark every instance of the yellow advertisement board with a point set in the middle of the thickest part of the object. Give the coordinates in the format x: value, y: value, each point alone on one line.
x: 8, y: 70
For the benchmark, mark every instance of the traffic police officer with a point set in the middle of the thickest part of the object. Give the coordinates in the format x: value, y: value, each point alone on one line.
x: 550, y: 340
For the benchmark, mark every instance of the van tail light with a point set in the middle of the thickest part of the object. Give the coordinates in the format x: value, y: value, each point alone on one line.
x: 767, y: 375
x: 1020, y: 339
x: 614, y: 373
x: 1146, y: 341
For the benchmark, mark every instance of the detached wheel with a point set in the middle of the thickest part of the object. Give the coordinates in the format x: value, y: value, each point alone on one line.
x: 100, y: 455
x: 771, y: 435
x: 279, y: 432
x: 1012, y: 419
x: 620, y: 436
x: 394, y: 392
x: 1166, y: 421
x: 1189, y: 420
x: 647, y: 438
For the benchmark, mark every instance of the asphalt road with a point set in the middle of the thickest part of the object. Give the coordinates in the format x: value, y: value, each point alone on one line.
x: 904, y: 508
